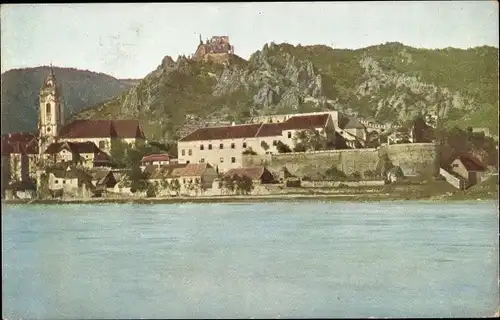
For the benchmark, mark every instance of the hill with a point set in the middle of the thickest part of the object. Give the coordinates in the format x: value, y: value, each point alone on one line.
x: 80, y: 88
x: 390, y: 82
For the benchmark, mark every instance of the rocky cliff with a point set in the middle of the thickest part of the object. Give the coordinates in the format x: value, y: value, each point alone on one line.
x: 390, y: 82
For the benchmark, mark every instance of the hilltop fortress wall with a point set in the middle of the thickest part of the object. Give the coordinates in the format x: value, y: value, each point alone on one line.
x: 416, y: 159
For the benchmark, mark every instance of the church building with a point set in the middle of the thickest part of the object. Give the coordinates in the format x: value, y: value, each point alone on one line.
x: 82, y: 142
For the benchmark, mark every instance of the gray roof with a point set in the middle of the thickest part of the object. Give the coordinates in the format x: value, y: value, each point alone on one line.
x: 354, y: 124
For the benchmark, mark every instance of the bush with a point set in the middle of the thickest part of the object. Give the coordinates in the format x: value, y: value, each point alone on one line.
x: 299, y: 148
x: 335, y: 173
x: 356, y: 175
x: 264, y: 145
x: 283, y: 148
x: 249, y: 151
x: 371, y: 174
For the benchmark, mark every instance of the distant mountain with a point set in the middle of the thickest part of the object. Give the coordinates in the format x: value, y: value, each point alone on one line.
x: 80, y: 89
x: 389, y: 82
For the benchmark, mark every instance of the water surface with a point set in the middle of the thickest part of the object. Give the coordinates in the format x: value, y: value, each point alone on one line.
x: 304, y: 259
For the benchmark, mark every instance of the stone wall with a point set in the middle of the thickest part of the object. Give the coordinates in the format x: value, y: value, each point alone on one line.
x: 317, y: 162
x: 336, y: 184
x: 454, y: 181
x: 416, y: 159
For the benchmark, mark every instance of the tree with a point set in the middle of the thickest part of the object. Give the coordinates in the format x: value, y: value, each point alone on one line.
x: 138, y: 179
x: 165, y: 185
x: 175, y: 186
x: 264, y: 145
x: 370, y: 174
x: 244, y: 184
x: 334, y: 173
x: 119, y: 153
x: 356, y: 175
x: 228, y: 183
x: 384, y: 165
x: 200, y: 185
x: 190, y: 186
x: 249, y: 151
x: 152, y: 189
x: 282, y: 147
x: 309, y: 140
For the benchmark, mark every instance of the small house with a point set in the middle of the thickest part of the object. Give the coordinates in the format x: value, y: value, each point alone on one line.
x: 155, y: 159
x: 184, y: 178
x: 259, y: 175
x: 469, y: 168
x: 69, y: 180
x: 103, y: 178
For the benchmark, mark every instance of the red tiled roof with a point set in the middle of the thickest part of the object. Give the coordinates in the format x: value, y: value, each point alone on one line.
x: 19, y: 137
x: 75, y: 147
x: 156, y: 157
x: 353, y: 124
x: 269, y: 130
x: 177, y: 170
x: 220, y: 133
x: 6, y: 148
x: 102, y: 157
x: 299, y: 122
x: 128, y: 129
x: 258, y: 130
x: 102, y: 129
x: 254, y: 173
x: 471, y: 163
x: 194, y: 169
x: 30, y: 147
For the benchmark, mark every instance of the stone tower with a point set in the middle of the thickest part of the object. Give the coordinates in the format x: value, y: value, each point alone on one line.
x: 51, y: 117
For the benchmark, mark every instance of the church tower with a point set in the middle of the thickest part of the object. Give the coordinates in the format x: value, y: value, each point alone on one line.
x: 51, y: 112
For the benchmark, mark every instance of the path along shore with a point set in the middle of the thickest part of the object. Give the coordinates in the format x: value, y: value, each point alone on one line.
x: 352, y: 197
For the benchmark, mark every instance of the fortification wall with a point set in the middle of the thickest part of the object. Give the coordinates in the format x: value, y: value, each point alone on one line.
x: 311, y: 163
x: 419, y: 159
x: 415, y: 159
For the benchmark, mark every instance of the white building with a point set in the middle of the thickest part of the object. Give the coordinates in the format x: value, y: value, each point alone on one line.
x: 222, y: 147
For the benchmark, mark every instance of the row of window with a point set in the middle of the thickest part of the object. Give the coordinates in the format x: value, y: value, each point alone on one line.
x: 233, y: 160
x: 221, y: 146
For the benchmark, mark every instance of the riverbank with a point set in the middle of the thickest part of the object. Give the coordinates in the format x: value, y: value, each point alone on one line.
x: 374, y: 197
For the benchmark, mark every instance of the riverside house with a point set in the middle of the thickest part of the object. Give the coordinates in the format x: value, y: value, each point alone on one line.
x: 82, y: 153
x: 190, y: 178
x: 258, y: 174
x: 469, y: 168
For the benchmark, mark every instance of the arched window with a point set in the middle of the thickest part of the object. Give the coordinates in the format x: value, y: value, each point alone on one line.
x: 47, y: 108
x: 102, y: 144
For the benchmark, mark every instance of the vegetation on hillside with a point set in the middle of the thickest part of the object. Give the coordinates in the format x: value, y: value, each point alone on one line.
x: 80, y: 89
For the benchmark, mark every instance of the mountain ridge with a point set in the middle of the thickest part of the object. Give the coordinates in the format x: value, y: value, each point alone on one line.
x: 21, y: 86
x: 390, y: 82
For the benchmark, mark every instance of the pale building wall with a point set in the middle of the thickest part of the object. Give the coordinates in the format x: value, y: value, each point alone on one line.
x: 104, y: 142
x: 226, y: 158
x: 458, y: 167
x: 15, y: 167
x: 68, y: 185
x: 360, y: 133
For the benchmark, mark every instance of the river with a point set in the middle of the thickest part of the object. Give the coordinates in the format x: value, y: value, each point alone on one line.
x: 265, y: 260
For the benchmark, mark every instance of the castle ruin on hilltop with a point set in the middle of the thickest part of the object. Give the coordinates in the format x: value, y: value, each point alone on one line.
x: 218, y: 48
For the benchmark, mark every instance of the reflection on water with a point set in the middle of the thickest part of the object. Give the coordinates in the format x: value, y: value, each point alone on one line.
x: 307, y: 259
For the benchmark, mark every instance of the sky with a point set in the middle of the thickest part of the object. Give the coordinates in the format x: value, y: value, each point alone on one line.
x: 129, y: 40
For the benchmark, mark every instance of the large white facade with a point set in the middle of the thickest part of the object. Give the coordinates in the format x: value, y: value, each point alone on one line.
x: 227, y: 153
